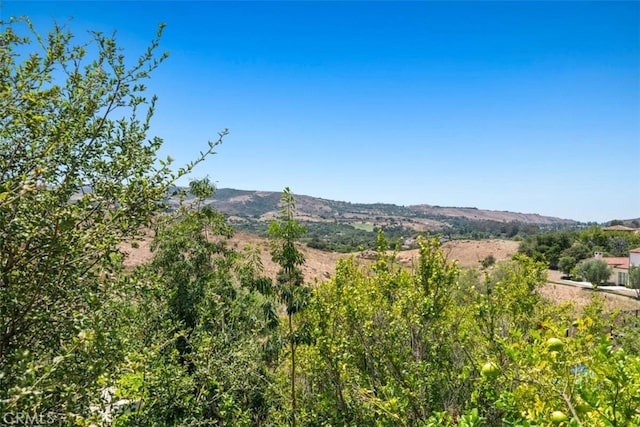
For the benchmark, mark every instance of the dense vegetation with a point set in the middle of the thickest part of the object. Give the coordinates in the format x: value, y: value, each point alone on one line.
x: 199, y: 336
x: 347, y: 237
x: 563, y: 250
x: 336, y: 236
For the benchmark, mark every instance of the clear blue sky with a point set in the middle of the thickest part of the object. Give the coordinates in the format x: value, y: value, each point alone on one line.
x: 520, y: 106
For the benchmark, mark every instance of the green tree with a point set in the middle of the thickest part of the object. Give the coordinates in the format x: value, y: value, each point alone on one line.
x: 566, y: 264
x: 578, y: 250
x: 575, y: 371
x: 211, y: 320
x: 547, y: 247
x: 595, y: 238
x: 594, y: 271
x: 284, y: 232
x: 78, y: 176
x: 618, y: 245
x: 394, y: 347
x: 634, y: 279
x: 385, y: 347
x: 488, y: 261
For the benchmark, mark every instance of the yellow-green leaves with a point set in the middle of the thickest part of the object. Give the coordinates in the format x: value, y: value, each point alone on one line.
x: 78, y: 175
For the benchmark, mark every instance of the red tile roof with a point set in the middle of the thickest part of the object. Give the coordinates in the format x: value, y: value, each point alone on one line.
x: 635, y: 251
x: 617, y: 262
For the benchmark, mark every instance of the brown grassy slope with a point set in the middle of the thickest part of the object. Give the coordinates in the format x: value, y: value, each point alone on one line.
x: 469, y: 253
x: 320, y: 265
x: 580, y: 297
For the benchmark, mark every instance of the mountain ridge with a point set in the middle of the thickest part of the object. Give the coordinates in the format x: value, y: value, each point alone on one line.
x: 263, y: 205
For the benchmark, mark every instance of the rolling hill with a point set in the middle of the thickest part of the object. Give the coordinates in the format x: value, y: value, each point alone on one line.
x: 263, y: 205
x: 344, y: 227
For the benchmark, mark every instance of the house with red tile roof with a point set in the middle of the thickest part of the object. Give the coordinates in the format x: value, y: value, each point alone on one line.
x: 620, y: 266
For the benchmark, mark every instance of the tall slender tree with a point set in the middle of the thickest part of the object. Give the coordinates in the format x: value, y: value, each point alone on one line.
x: 284, y: 232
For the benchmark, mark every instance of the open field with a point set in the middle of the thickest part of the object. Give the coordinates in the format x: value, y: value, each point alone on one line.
x: 321, y: 264
x: 363, y: 226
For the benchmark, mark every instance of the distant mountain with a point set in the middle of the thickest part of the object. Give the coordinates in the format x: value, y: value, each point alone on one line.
x: 346, y: 227
x: 489, y: 215
x: 263, y: 205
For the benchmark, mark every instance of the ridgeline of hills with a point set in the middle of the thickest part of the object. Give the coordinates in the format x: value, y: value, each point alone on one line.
x: 263, y: 205
x: 344, y: 226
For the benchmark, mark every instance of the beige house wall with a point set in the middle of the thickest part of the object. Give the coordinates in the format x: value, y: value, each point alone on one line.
x: 615, y: 277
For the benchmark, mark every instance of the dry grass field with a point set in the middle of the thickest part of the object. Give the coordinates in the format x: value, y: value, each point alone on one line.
x: 580, y: 297
x: 320, y: 265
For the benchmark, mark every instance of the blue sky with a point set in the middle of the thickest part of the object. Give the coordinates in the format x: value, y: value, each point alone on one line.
x: 522, y: 106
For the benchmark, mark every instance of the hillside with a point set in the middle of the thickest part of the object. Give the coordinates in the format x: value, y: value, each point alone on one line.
x: 489, y: 215
x: 264, y: 204
x: 346, y: 227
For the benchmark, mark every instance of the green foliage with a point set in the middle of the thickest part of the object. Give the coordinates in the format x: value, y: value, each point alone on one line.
x: 575, y: 246
x: 548, y: 247
x: 334, y: 236
x: 465, y: 228
x: 194, y: 337
x: 634, y: 279
x: 201, y: 357
x: 595, y: 271
x: 438, y: 347
x: 488, y: 261
x: 571, y: 256
x: 594, y: 237
x: 566, y: 264
x: 582, y: 377
x: 78, y: 177
x: 383, y: 342
x: 578, y: 251
x: 284, y: 232
x: 345, y: 238
x: 74, y: 182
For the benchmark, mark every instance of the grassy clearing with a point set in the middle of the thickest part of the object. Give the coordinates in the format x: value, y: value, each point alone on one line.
x: 365, y: 227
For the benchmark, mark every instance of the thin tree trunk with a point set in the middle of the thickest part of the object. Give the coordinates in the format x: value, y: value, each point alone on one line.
x: 293, y: 373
